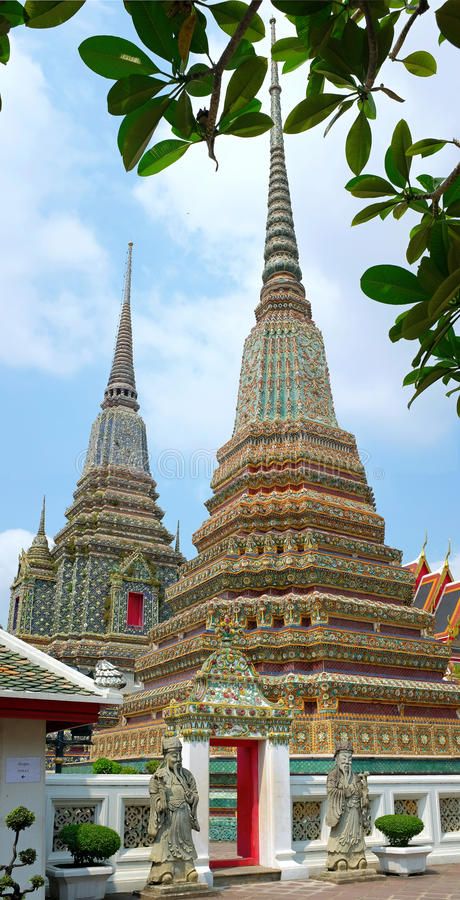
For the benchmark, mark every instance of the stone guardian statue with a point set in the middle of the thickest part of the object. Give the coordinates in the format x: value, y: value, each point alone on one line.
x: 347, y: 813
x: 173, y: 805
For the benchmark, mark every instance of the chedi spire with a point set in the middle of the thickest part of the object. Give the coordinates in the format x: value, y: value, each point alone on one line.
x: 121, y: 386
x: 281, y: 253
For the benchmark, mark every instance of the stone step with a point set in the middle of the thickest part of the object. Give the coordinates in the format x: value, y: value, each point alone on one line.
x: 244, y: 875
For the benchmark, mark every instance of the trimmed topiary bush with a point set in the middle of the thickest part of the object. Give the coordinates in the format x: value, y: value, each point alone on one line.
x: 89, y: 843
x: 151, y: 766
x: 103, y: 766
x: 399, y: 829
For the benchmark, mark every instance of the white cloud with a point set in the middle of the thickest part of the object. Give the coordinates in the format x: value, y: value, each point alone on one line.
x: 12, y: 542
x: 53, y: 266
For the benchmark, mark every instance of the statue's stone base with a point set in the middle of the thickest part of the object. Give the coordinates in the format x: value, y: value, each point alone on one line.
x: 178, y: 890
x: 349, y: 875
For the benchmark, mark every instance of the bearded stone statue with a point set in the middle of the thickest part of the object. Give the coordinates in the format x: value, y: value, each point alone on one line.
x: 347, y: 812
x: 173, y: 804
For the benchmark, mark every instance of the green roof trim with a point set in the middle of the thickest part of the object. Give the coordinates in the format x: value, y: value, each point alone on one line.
x: 380, y: 766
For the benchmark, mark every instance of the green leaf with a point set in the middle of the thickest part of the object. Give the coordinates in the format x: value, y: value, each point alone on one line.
x: 385, y: 34
x: 309, y: 112
x: 368, y: 107
x: 114, y: 57
x: 358, y: 144
x: 395, y: 331
x: 420, y: 63
x: 154, y: 28
x: 243, y: 51
x: 435, y: 375
x: 299, y: 7
x: 162, y: 155
x: 131, y: 92
x: 415, y: 375
x: 200, y: 39
x: 429, y: 275
x: 137, y: 128
x: 369, y: 186
x: 416, y: 322
x: 342, y: 109
x: 447, y: 291
x: 294, y: 62
x: 370, y: 212
x: 418, y: 242
x: 425, y: 147
x: 391, y: 284
x: 453, y: 192
x: 244, y: 83
x: 185, y: 121
x: 454, y: 208
x: 285, y: 48
x: 254, y: 105
x: 4, y: 49
x: 249, y: 125
x: 201, y: 86
x: 400, y: 209
x: 448, y: 19
x: 185, y: 36
x: 390, y: 94
x: 315, y: 84
x: 49, y: 13
x: 228, y: 16
x: 292, y: 51
x: 400, y: 142
x: 336, y: 78
x: 13, y: 13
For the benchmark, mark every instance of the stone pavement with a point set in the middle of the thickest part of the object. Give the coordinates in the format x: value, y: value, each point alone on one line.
x: 441, y: 883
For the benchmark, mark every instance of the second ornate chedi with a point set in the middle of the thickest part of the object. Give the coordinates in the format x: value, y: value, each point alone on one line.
x: 295, y: 548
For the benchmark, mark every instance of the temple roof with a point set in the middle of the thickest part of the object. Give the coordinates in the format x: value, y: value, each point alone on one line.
x: 26, y: 671
x: 121, y: 386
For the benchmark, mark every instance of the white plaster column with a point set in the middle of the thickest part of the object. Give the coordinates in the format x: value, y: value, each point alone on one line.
x: 195, y: 757
x: 23, y: 738
x: 275, y: 812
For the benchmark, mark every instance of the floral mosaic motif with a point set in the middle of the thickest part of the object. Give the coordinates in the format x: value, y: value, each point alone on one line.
x: 406, y: 806
x: 306, y: 820
x: 284, y: 374
x: 71, y: 815
x: 222, y: 828
x: 450, y: 814
x: 135, y: 825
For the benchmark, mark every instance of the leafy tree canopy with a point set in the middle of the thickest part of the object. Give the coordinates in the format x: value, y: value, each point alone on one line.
x: 172, y: 74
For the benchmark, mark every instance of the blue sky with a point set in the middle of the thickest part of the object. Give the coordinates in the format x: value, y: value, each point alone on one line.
x: 69, y: 210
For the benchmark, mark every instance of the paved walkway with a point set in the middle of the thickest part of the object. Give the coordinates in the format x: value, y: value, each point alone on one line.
x: 441, y: 883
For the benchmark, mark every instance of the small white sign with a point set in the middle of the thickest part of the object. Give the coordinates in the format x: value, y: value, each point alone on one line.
x: 23, y: 769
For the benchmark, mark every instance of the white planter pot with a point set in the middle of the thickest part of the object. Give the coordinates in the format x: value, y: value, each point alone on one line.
x: 86, y: 883
x: 409, y: 860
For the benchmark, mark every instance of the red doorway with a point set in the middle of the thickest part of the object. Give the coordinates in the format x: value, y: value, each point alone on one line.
x: 247, y: 803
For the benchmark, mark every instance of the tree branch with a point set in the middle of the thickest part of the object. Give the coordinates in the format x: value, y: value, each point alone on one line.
x: 422, y: 7
x: 373, y: 46
x: 436, y: 195
x: 218, y: 72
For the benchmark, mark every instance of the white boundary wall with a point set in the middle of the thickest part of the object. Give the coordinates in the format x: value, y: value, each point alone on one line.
x: 427, y: 790
x: 111, y: 795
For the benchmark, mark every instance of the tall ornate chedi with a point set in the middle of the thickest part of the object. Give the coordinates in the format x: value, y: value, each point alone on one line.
x: 101, y: 588
x: 294, y: 549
